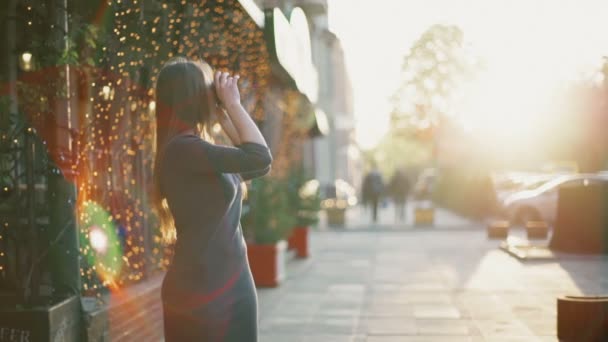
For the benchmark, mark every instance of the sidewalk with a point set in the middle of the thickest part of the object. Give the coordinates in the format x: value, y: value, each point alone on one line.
x: 360, y: 218
x: 385, y: 285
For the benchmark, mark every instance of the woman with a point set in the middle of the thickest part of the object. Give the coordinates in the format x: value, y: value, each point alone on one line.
x: 208, y: 292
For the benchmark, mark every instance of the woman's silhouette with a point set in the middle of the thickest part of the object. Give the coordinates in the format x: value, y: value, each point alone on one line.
x: 208, y: 293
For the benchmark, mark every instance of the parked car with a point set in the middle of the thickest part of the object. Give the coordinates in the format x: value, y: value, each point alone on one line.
x: 509, y: 183
x: 541, y: 202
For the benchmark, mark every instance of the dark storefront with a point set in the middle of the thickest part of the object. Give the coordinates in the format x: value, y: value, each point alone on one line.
x: 77, y: 145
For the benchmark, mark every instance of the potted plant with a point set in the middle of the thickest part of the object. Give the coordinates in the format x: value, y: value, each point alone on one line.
x: 305, y: 202
x: 339, y: 196
x: 266, y: 224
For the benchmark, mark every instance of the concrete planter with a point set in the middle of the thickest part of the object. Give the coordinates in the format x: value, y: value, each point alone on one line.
x: 424, y: 216
x: 336, y: 216
x: 537, y: 229
x: 498, y: 229
x: 267, y: 263
x: 59, y: 321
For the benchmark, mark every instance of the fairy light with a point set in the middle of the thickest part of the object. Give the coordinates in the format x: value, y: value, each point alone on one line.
x: 117, y: 130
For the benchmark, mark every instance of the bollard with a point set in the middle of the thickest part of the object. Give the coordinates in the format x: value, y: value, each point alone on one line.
x: 336, y: 217
x: 498, y: 229
x: 537, y: 229
x: 582, y: 319
x: 424, y: 216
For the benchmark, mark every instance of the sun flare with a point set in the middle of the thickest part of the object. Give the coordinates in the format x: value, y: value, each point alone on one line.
x: 530, y: 49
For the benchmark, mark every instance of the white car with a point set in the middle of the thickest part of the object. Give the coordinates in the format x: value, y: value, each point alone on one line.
x: 541, y: 202
x: 507, y: 184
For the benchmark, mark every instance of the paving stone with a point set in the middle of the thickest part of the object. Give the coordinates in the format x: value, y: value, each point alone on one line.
x: 284, y: 324
x: 420, y: 285
x: 422, y: 339
x: 341, y: 312
x: 503, y: 328
x: 445, y: 327
x: 436, y: 311
x: 388, y: 326
x: 333, y: 325
x: 274, y: 337
x: 542, y: 327
x: 412, y: 298
x: 346, y: 288
x: 295, y: 310
x: 388, y: 310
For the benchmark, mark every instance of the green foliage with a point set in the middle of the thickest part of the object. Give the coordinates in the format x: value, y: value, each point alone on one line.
x: 435, y: 68
x: 304, y: 197
x: 395, y: 152
x: 269, y: 218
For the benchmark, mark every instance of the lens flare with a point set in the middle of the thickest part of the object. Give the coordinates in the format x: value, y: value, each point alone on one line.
x: 98, y: 239
x: 100, y: 243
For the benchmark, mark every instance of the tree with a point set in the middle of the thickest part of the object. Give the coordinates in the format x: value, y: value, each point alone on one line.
x: 432, y: 71
x: 435, y: 67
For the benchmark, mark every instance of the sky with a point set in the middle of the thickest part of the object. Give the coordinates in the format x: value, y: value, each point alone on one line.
x: 528, y: 46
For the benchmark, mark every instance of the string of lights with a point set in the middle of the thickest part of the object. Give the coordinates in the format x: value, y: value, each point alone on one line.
x: 113, y: 111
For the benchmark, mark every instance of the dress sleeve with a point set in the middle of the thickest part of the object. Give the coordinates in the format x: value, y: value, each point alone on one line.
x: 254, y: 174
x: 248, y: 159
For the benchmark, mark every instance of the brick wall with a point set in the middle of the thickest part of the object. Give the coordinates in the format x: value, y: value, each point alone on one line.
x: 133, y: 314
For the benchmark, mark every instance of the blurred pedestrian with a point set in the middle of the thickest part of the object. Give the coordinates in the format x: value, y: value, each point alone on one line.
x: 208, y: 292
x: 399, y: 188
x: 373, y: 189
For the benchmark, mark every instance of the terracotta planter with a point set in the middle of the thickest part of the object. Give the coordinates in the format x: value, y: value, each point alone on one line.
x: 582, y: 318
x: 298, y: 241
x: 267, y: 263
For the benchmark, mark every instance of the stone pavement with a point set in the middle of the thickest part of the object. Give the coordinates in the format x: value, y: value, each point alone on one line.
x: 360, y: 218
x: 424, y: 284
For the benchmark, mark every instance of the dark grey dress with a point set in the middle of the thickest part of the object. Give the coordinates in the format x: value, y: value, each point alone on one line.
x: 208, y: 293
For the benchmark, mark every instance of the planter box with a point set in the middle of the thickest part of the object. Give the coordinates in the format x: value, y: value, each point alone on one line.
x: 424, y: 216
x: 267, y: 263
x: 298, y: 241
x: 537, y: 229
x: 58, y: 321
x: 582, y: 318
x: 336, y: 216
x: 498, y: 229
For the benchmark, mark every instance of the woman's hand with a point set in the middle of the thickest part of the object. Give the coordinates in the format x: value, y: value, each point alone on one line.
x: 228, y: 93
x: 227, y: 89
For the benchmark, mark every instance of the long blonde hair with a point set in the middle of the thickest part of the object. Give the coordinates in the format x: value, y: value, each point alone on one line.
x: 185, y: 99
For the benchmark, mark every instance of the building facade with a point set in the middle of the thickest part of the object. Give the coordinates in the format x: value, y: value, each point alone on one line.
x: 335, y: 155
x: 77, y: 145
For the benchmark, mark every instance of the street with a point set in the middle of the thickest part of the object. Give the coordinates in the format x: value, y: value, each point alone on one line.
x: 384, y: 284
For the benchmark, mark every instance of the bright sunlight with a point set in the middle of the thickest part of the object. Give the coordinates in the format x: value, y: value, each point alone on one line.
x: 527, y: 49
